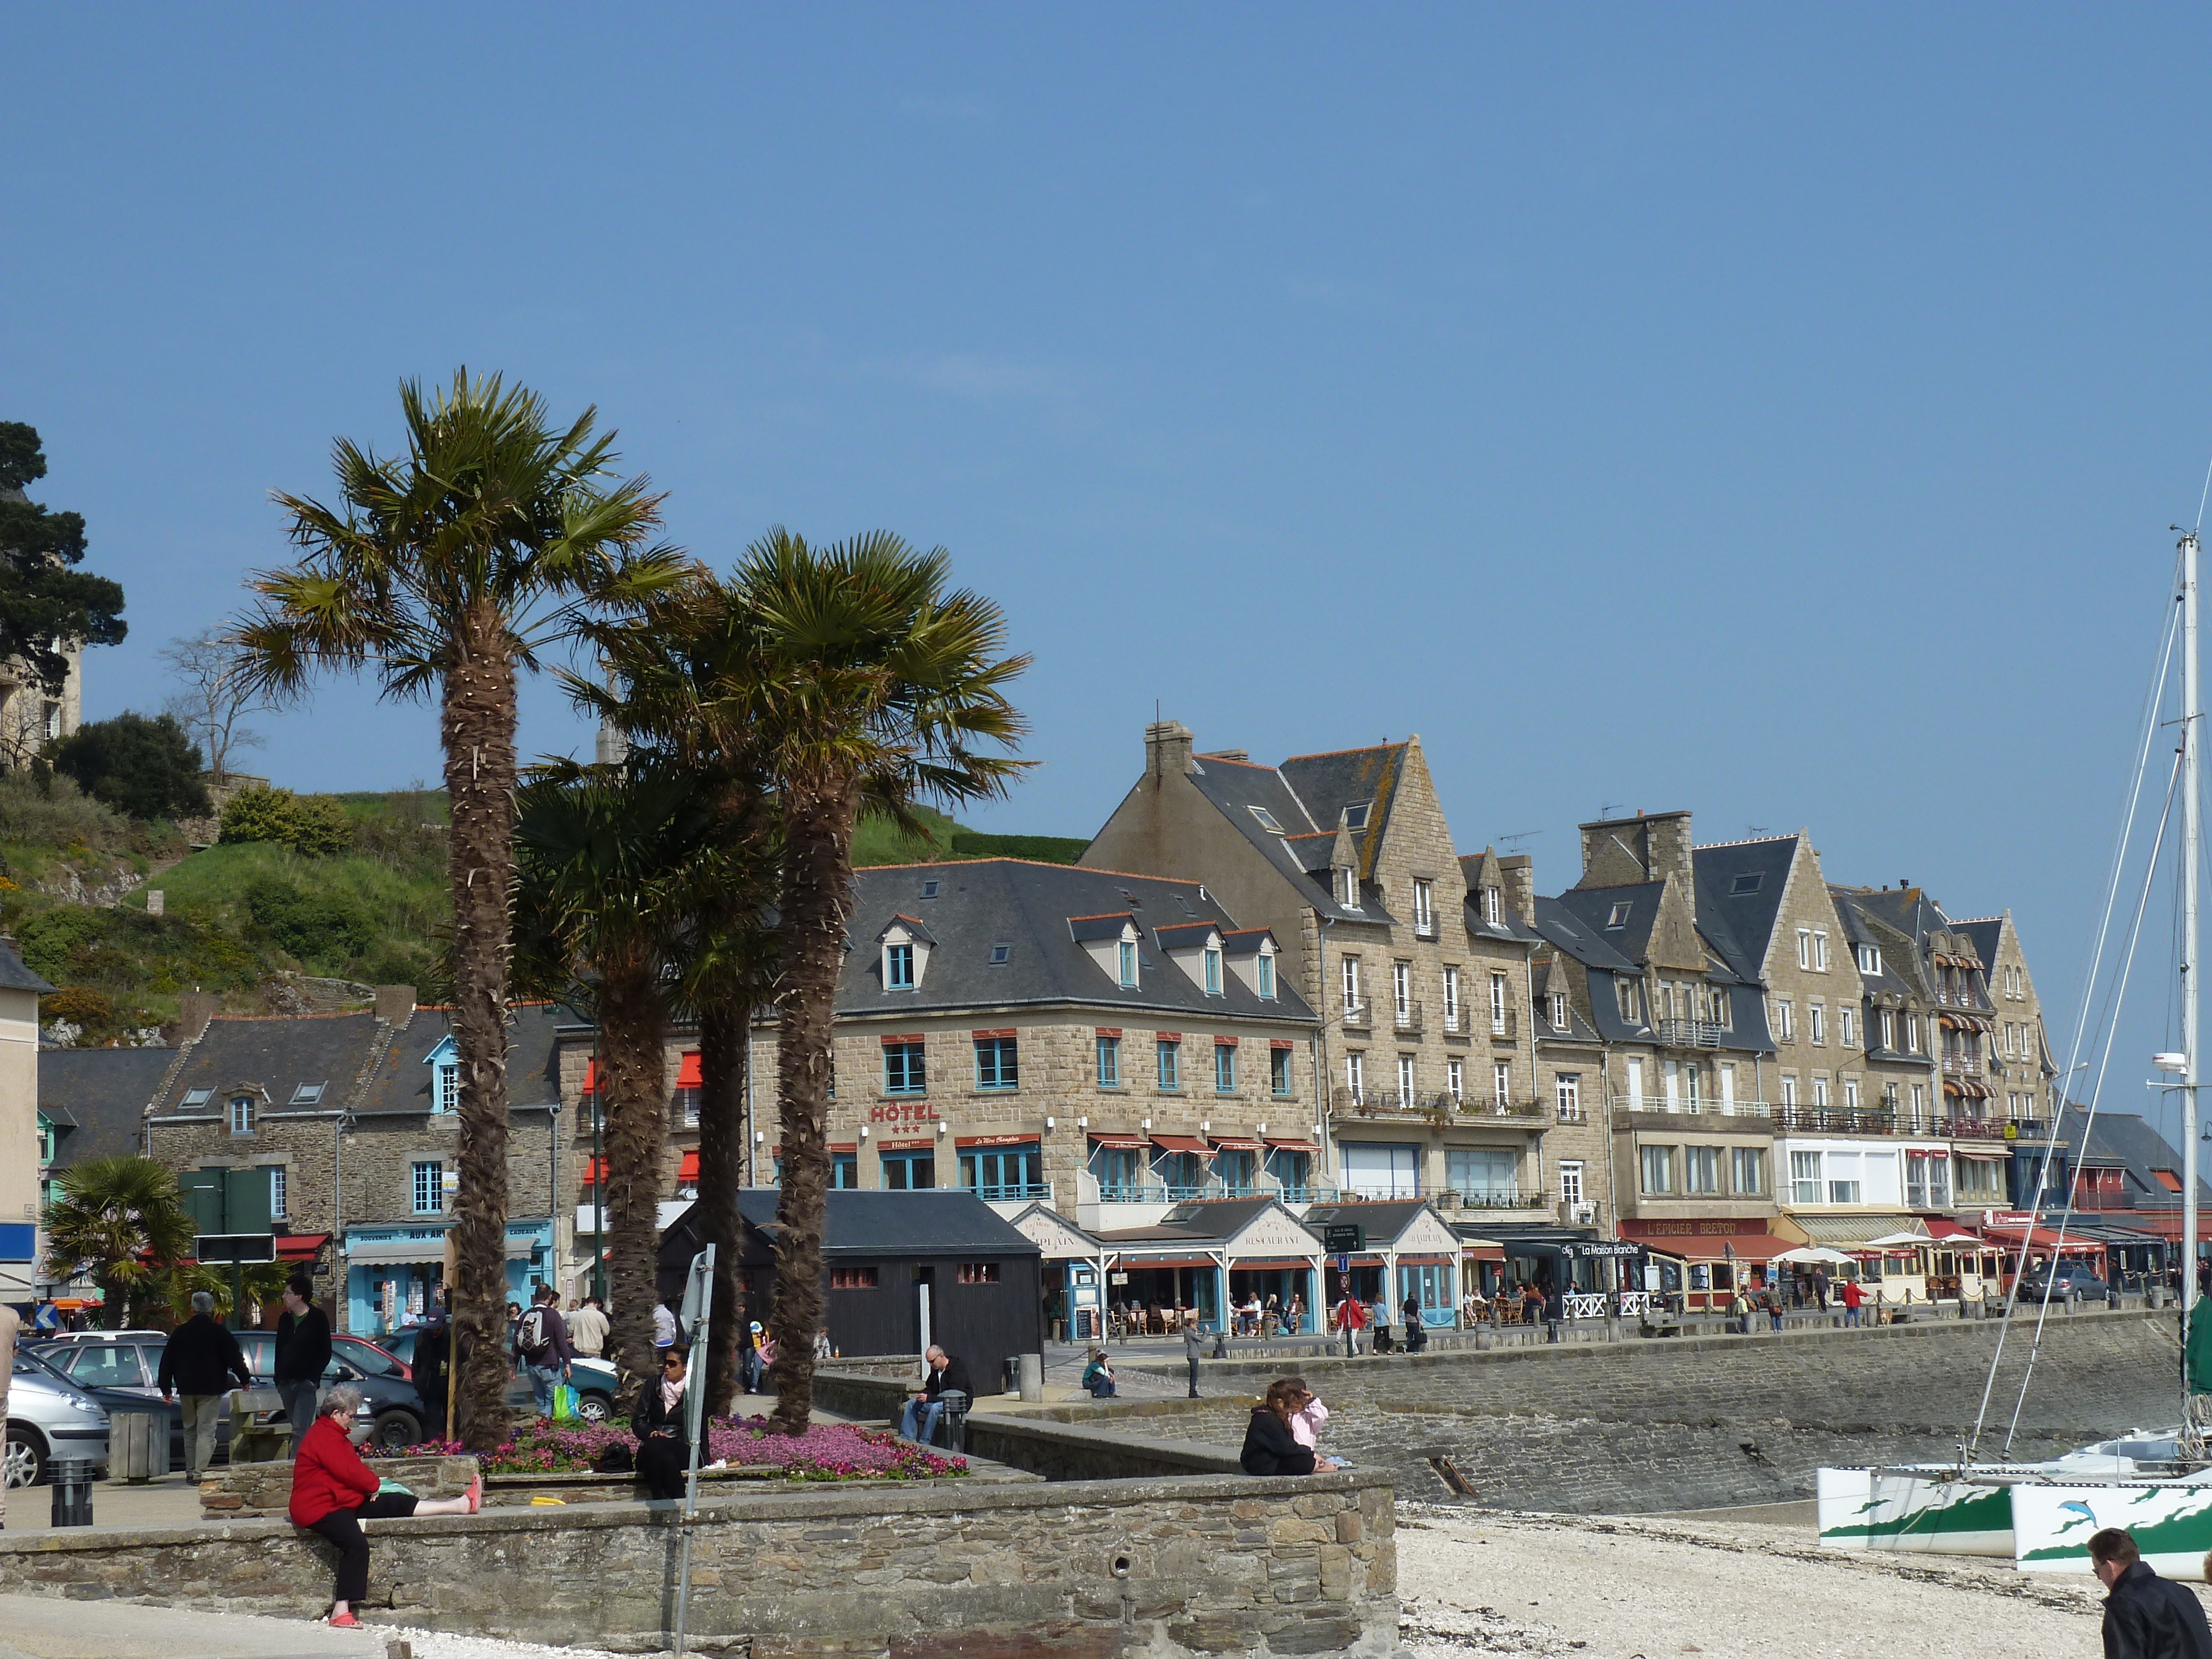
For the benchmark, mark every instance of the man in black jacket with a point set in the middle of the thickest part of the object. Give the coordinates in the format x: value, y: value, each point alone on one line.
x: 946, y: 1374
x: 303, y: 1351
x: 2146, y: 1617
x: 198, y: 1361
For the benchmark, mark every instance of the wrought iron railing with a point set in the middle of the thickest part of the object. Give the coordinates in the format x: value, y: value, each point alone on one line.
x: 1692, y: 1033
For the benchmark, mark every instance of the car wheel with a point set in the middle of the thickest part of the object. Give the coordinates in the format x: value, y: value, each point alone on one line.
x: 594, y: 1408
x: 396, y: 1429
x: 26, y: 1460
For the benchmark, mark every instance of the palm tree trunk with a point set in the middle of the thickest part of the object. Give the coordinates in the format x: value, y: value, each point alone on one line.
x: 476, y: 726
x: 633, y: 1025
x: 724, y: 1048
x: 818, y: 897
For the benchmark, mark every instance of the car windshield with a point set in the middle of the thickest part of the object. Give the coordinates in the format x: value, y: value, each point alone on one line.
x: 35, y: 1365
x: 366, y: 1357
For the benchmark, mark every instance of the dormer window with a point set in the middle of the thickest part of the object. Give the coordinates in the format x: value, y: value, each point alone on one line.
x: 1266, y: 820
x: 1425, y: 906
x: 1267, y: 969
x: 241, y: 1114
x: 898, y: 967
x: 1559, y: 1011
x: 1129, y: 964
x: 1213, y: 972
x: 1493, y: 907
x: 446, y: 1086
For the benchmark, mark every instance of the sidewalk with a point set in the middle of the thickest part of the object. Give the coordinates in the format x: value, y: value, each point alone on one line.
x: 35, y: 1627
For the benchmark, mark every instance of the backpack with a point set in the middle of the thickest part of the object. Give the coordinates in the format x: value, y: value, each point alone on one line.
x: 533, y: 1339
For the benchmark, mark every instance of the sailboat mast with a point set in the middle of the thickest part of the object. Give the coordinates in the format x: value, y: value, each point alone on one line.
x: 2192, y: 830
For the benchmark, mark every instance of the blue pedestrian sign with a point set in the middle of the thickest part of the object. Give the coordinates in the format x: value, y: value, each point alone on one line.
x: 1344, y: 1264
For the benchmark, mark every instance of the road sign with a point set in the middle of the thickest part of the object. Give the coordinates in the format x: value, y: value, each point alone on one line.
x: 1344, y: 1264
x: 1341, y: 1238
x: 234, y: 1247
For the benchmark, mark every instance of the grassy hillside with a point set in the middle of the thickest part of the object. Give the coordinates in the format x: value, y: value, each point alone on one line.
x: 875, y: 843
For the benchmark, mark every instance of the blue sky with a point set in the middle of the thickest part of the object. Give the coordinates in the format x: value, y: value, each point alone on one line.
x: 1773, y: 412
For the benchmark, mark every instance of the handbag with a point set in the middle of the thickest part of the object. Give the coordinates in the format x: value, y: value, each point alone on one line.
x: 564, y: 1401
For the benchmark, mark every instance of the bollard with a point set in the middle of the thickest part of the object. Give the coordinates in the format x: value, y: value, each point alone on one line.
x: 72, y: 1481
x: 1032, y: 1377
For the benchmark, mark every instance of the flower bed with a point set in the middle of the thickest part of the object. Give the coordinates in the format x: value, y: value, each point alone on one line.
x: 827, y: 1451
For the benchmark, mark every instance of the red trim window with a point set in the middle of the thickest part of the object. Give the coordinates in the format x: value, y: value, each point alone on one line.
x: 979, y: 1273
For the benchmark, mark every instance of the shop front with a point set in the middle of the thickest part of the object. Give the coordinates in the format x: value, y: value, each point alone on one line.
x: 1073, y: 1274
x: 390, y: 1272
x: 2019, y: 1237
x: 1203, y: 1254
x: 1701, y: 1263
x: 1409, y: 1255
x: 1576, y: 1275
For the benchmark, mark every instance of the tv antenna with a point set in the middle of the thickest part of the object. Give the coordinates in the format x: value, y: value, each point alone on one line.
x: 1525, y: 835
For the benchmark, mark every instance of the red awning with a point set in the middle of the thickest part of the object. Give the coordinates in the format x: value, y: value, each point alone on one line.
x: 591, y: 1077
x: 1238, y: 1145
x: 594, y: 1170
x: 1747, y: 1247
x: 1425, y: 1262
x: 995, y: 1140
x: 1293, y: 1146
x: 1283, y: 1264
x: 1182, y: 1144
x: 1943, y: 1230
x: 688, y: 1169
x: 2043, y: 1238
x: 301, y: 1247
x: 687, y: 1074
x: 1124, y: 1143
x: 1483, y: 1252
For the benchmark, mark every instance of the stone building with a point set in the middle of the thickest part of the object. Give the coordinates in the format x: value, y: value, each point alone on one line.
x: 352, y: 1118
x: 1413, y: 959
x: 21, y: 1144
x: 31, y: 714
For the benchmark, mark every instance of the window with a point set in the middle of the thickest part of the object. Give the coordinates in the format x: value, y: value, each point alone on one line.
x: 1719, y: 998
x: 1816, y: 1021
x: 1405, y: 1079
x: 1355, y: 817
x: 1497, y: 1004
x: 1788, y: 1089
x: 1618, y: 915
x: 1167, y: 1053
x: 1559, y: 1011
x: 979, y: 1273
x: 996, y: 1065
x: 1745, y: 883
x: 46, y: 1137
x: 1694, y: 1086
x: 910, y: 1171
x: 306, y: 1094
x: 1912, y: 1033
x: 1129, y: 964
x: 1212, y: 960
x: 860, y: 1276
x: 1888, y: 1026
x: 898, y: 967
x: 1844, y: 1023
x: 430, y: 1189
x: 1820, y: 1093
x: 1979, y: 1178
x: 1483, y: 1172
x: 1701, y: 1168
x: 1351, y: 977
x: 1843, y: 1173
x: 1424, y: 907
x: 1805, y: 947
x: 1820, y: 950
x: 1225, y: 1069
x: 1279, y: 1071
x: 1456, y: 1079
x: 1110, y: 1062
x: 276, y: 1209
x: 1266, y: 819
x: 1869, y: 958
x: 1785, y: 1020
x: 1379, y: 1170
x: 1748, y: 1168
x: 1000, y: 954
x: 1452, y: 998
x: 241, y: 1114
x: 1347, y: 887
x: 1567, y: 1086
x: 1265, y: 965
x: 195, y: 1098
x: 1493, y: 907
x: 1401, y: 991
x: 1119, y: 1174
x: 687, y: 1102
x: 1355, y: 1073
x: 1919, y: 1099
x: 904, y: 1072
x: 446, y: 1086
x: 929, y: 890
x: 844, y: 1171
x: 1570, y: 1182
x: 1635, y: 1065
x: 1623, y: 991
x: 1804, y: 1177
x: 1000, y: 1174
x: 1289, y: 1170
x: 1850, y: 1094
x: 1658, y: 1168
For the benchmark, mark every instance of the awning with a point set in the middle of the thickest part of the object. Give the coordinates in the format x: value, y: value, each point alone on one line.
x: 1126, y: 1261
x: 1272, y: 1265
x: 1123, y: 1143
x: 1481, y: 1249
x: 1292, y: 1145
x: 688, y: 1170
x: 591, y: 1077
x: 398, y: 1252
x: 1852, y: 1232
x: 1182, y: 1144
x: 1945, y: 1231
x: 1424, y: 1261
x: 1238, y: 1145
x: 1739, y: 1247
x: 1906, y: 1239
x: 301, y: 1247
x: 2042, y: 1238
x: 688, y: 1074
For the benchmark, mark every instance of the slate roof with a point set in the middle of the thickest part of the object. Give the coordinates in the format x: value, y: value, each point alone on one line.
x: 14, y: 976
x: 1508, y: 926
x: 402, y: 1078
x: 102, y: 1093
x: 1984, y: 931
x: 1865, y: 923
x: 1350, y: 777
x: 1196, y: 1221
x: 1566, y: 928
x: 1384, y: 1218
x: 1591, y: 908
x: 2127, y: 1140
x: 1578, y: 1029
x: 939, y: 1221
x: 1236, y: 786
x: 278, y: 1053
x: 988, y: 902
x: 1740, y: 926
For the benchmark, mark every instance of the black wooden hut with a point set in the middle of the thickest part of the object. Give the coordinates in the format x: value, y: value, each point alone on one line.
x: 880, y: 1249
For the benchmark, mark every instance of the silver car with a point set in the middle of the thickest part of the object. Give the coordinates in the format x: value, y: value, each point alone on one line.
x: 49, y: 1417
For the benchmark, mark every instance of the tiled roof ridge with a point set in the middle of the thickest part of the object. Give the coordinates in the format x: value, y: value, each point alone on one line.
x: 1038, y: 864
x: 1231, y: 760
x: 1312, y: 835
x: 1972, y: 921
x: 1748, y: 841
x: 328, y: 1013
x: 1106, y: 915
x: 388, y: 1038
x: 172, y: 1073
x: 1356, y: 748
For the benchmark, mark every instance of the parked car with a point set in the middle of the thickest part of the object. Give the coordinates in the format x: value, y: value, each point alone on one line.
x: 391, y: 1410
x: 2074, y: 1279
x: 593, y: 1380
x: 48, y: 1417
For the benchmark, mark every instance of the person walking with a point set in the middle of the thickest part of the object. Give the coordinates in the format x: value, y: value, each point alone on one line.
x: 1350, y: 1318
x: 2146, y: 1617
x: 333, y: 1491
x: 197, y: 1362
x: 1776, y: 1303
x: 1417, y: 1331
x: 541, y: 1340
x: 303, y: 1354
x: 10, y: 1324
x: 663, y: 1430
x: 664, y: 1323
x: 1193, y: 1349
x: 434, y: 1365
x: 588, y: 1329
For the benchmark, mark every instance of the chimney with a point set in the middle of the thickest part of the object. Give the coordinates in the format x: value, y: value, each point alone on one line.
x: 1517, y: 873
x: 1166, y: 748
x: 1227, y: 755
x: 194, y: 1010
x: 1627, y: 852
x: 395, y: 1005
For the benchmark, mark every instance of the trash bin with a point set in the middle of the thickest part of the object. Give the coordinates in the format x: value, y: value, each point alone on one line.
x: 1014, y: 1374
x: 138, y: 1446
x: 72, y: 1482
x: 953, y: 1424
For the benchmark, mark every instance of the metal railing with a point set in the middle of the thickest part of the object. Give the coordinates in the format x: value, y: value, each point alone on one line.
x: 1691, y: 1033
x: 1506, y: 1027
x: 1406, y: 1019
x: 1962, y: 1064
x: 1357, y: 1017
x: 1013, y: 1192
x: 1450, y: 1199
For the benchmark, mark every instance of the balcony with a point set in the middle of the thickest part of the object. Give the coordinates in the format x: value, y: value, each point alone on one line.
x: 1505, y: 1027
x: 1358, y: 1018
x: 1491, y: 1200
x: 1529, y: 1112
x: 1439, y: 1108
x: 1014, y: 1192
x: 1836, y: 1121
x: 1691, y: 1033
x: 1406, y: 1019
x: 1962, y: 1064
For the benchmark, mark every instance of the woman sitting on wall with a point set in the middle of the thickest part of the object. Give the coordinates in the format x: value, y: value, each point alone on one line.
x: 1270, y: 1447
x: 333, y: 1491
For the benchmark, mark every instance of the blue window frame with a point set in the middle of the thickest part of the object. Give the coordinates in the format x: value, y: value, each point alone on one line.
x: 1182, y: 1173
x: 1213, y: 973
x: 1279, y: 1071
x: 898, y: 967
x: 997, y: 1064
x: 904, y: 1072
x: 1266, y: 976
x: 430, y: 1189
x: 1239, y: 1170
x: 1110, y: 1062
x: 1169, y: 1056
x: 1000, y: 1173
x: 1291, y: 1171
x: 844, y: 1170
x: 1128, y: 963
x: 1120, y: 1171
x: 1225, y: 1069
x: 910, y: 1172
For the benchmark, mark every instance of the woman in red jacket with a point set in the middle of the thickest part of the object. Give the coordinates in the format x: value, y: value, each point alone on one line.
x: 333, y: 1491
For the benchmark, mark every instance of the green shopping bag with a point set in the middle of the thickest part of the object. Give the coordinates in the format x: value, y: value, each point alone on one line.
x: 564, y: 1401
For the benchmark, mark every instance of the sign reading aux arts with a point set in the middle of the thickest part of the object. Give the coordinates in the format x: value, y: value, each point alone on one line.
x: 902, y: 1111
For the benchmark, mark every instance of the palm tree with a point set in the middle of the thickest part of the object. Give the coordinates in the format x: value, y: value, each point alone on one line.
x: 122, y: 1219
x: 875, y: 688
x: 602, y: 854
x: 452, y: 568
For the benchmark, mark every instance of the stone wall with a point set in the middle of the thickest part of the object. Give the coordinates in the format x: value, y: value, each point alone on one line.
x: 1696, y: 1422
x: 1157, y: 1568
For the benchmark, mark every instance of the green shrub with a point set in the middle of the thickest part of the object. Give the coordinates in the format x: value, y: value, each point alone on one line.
x: 319, y: 929
x: 315, y: 825
x: 150, y: 769
x: 52, y: 938
x: 81, y: 1006
x: 55, y: 812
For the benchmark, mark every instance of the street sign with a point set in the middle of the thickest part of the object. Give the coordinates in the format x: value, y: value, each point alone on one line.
x: 1344, y: 1264
x: 1342, y: 1238
x: 234, y: 1247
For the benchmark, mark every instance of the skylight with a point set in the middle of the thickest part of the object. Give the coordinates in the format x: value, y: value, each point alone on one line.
x: 1000, y: 953
x: 1747, y: 883
x: 1355, y: 817
x: 1618, y: 916
x: 198, y: 1096
x: 306, y: 1094
x: 929, y: 890
x: 1266, y: 819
